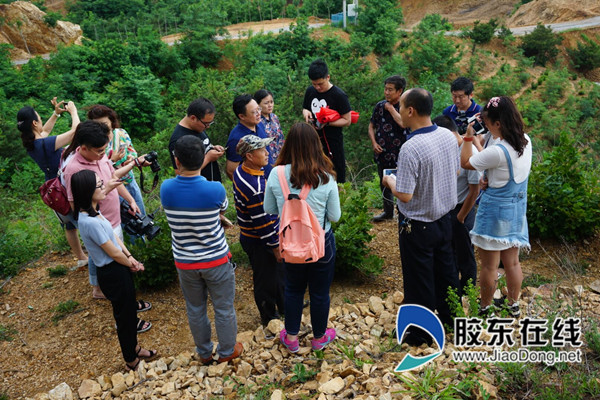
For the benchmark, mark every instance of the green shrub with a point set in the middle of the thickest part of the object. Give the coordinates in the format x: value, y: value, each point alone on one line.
x: 51, y: 18
x: 157, y: 257
x: 63, y: 309
x: 352, y: 234
x: 586, y: 56
x: 563, y: 194
x: 59, y: 270
x: 482, y: 32
x: 541, y: 44
x: 592, y: 337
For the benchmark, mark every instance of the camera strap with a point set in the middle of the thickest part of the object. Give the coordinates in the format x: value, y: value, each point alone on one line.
x: 154, y: 183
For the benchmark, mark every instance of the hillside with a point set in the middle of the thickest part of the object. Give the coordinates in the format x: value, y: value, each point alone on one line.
x: 461, y: 13
x: 35, y: 37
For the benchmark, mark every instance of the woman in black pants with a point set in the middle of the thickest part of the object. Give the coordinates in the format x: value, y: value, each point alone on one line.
x: 115, y: 263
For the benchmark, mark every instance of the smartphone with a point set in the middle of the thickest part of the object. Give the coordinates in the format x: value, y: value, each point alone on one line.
x: 122, y: 147
x: 389, y: 171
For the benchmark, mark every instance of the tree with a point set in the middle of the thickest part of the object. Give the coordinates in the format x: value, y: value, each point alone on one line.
x: 586, y: 56
x: 482, y: 33
x: 379, y: 21
x: 541, y: 44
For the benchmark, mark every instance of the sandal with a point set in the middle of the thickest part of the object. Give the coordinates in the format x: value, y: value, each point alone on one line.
x: 143, y: 326
x: 143, y: 305
x: 132, y: 367
x: 153, y: 353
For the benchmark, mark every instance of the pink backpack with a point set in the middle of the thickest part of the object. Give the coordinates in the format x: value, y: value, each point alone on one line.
x: 301, y: 237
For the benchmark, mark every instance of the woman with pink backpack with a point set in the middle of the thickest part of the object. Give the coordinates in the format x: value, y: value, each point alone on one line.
x: 304, y: 173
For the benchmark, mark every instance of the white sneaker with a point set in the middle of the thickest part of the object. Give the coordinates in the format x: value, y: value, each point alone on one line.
x: 82, y: 263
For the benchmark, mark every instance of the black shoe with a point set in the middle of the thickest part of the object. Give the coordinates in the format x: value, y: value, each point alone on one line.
x: 382, y: 217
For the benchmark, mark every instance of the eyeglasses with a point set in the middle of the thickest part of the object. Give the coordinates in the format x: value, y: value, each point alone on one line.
x: 258, y: 111
x: 100, y: 185
x: 207, y: 124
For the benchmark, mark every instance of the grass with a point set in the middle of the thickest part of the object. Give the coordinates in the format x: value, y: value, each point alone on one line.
x: 536, y: 280
x: 55, y: 272
x: 301, y: 374
x: 429, y: 384
x: 6, y: 334
x: 63, y: 309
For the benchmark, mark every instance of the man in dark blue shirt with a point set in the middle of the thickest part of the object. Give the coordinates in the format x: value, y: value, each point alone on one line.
x: 464, y: 106
x: 247, y: 110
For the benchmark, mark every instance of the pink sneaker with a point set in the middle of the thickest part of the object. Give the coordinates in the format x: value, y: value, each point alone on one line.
x: 293, y: 347
x: 328, y: 337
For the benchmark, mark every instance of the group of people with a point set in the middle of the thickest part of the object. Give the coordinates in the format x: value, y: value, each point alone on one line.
x: 439, y: 176
x: 96, y: 177
x: 435, y: 186
x: 194, y: 201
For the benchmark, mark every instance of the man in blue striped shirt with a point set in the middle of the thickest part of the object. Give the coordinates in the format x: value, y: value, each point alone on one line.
x: 259, y: 231
x: 193, y: 206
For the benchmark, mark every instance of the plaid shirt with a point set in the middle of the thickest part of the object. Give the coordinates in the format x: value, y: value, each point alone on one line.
x: 427, y: 168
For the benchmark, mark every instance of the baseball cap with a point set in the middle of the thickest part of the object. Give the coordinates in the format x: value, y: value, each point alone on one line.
x: 251, y: 142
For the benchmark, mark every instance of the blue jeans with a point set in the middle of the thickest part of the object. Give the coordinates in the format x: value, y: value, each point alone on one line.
x: 318, y: 277
x: 196, y: 284
x: 135, y: 192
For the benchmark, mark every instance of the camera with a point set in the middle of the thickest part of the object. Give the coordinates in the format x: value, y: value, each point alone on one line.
x: 389, y: 171
x: 479, y: 126
x: 462, y: 122
x: 138, y: 225
x: 152, y: 158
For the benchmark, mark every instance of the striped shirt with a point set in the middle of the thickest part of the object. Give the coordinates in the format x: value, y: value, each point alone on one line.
x: 249, y: 193
x: 193, y: 206
x: 427, y: 168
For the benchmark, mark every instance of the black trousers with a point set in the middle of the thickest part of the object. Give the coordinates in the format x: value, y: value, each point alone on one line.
x: 388, y: 198
x: 464, y: 256
x: 428, y: 265
x: 268, y: 279
x: 116, y: 282
x: 333, y: 146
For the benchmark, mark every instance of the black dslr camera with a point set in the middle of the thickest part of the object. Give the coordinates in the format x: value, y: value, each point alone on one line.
x: 462, y: 122
x: 152, y: 158
x: 138, y: 225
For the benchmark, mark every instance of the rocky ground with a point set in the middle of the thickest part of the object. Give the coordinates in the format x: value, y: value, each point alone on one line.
x: 82, y: 346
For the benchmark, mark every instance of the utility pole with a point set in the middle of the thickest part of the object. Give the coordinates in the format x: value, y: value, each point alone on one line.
x: 344, y: 12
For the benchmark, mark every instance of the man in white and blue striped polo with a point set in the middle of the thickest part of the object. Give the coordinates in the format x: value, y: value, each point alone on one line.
x: 193, y: 206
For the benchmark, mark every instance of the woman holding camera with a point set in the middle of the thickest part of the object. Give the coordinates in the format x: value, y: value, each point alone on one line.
x: 120, y: 149
x: 114, y: 262
x: 304, y: 163
x: 500, y: 229
x: 46, y: 151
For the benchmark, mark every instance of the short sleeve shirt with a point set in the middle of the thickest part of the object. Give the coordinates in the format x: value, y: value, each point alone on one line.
x: 427, y: 166
x: 238, y: 132
x: 335, y: 98
x: 110, y: 206
x: 388, y: 134
x: 46, y: 157
x: 211, y: 171
x: 95, y: 231
x: 273, y: 130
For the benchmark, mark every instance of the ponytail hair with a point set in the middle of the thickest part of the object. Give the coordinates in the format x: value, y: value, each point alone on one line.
x: 25, y: 118
x: 83, y: 186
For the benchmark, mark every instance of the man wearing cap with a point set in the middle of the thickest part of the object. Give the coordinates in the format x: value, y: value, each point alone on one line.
x: 258, y: 230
